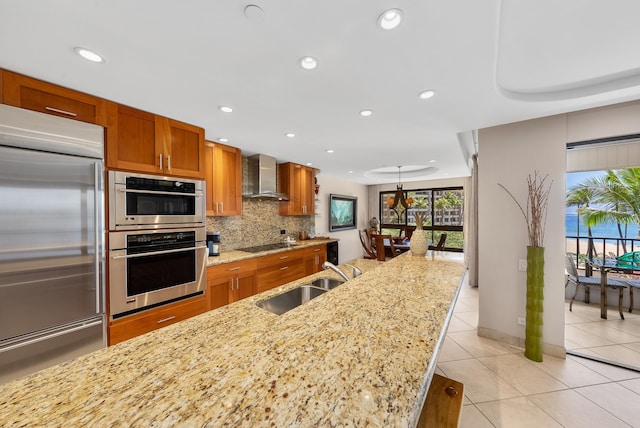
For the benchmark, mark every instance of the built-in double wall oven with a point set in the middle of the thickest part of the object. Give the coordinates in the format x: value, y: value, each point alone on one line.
x: 157, y: 248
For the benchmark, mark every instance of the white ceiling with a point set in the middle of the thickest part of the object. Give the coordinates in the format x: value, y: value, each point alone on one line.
x: 490, y: 62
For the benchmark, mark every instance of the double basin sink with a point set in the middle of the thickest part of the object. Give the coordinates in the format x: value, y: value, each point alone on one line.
x: 297, y: 296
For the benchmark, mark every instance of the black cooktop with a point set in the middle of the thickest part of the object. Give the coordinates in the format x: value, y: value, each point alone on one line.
x: 266, y: 247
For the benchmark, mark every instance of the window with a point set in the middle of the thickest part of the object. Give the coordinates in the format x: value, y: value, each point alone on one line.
x: 444, y: 208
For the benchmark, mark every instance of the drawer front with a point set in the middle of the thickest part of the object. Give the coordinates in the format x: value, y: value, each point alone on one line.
x: 279, y: 274
x: 284, y: 256
x: 233, y: 268
x: 154, y: 319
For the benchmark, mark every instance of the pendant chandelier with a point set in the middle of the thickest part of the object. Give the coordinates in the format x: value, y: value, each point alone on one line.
x: 399, y: 196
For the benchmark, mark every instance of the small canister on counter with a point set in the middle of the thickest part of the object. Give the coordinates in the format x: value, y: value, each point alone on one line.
x: 213, y: 243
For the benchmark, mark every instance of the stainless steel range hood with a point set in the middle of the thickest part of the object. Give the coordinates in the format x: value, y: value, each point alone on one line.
x: 262, y: 179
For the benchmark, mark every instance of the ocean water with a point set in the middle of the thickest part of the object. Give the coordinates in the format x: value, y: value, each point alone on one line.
x: 605, y: 230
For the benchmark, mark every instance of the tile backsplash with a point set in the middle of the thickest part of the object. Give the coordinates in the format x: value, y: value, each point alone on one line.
x: 259, y: 224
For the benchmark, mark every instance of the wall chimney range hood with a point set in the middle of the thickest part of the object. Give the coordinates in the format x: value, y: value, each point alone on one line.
x: 261, y: 172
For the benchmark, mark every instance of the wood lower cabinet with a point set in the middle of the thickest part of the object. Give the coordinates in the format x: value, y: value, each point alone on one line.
x: 144, y: 142
x: 230, y: 282
x: 224, y: 179
x: 278, y: 269
x: 153, y: 319
x: 33, y: 94
x: 297, y: 181
x: 314, y: 257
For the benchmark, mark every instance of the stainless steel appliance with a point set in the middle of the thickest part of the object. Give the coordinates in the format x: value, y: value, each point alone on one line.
x: 51, y: 241
x: 140, y: 201
x: 153, y: 267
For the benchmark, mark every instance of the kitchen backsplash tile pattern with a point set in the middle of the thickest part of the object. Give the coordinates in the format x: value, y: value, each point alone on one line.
x: 259, y: 224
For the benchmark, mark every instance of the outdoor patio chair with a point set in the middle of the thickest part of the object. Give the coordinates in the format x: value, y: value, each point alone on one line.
x: 631, y: 283
x: 590, y: 281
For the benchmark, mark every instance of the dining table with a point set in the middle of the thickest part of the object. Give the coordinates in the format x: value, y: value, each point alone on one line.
x: 611, y: 264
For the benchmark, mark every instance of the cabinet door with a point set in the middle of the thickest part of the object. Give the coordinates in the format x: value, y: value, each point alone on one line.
x: 307, y: 195
x: 32, y: 94
x: 131, y: 140
x: 314, y: 258
x: 183, y: 148
x: 209, y: 163
x: 290, y: 184
x: 218, y: 289
x: 224, y: 179
x: 244, y: 286
x: 228, y: 180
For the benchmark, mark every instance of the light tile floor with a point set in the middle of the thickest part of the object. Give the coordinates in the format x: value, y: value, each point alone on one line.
x: 504, y: 389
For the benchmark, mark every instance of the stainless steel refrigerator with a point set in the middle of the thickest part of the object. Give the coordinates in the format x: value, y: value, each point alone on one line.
x: 51, y: 241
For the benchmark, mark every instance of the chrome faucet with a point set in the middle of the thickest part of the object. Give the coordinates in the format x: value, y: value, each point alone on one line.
x: 356, y: 272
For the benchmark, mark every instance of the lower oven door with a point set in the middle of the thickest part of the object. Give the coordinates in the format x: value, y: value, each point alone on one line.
x: 150, y: 268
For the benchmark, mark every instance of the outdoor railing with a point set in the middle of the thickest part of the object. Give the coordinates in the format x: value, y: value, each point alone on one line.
x: 603, y: 247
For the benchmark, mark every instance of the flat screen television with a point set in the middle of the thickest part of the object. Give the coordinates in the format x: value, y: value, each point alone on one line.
x: 343, y: 211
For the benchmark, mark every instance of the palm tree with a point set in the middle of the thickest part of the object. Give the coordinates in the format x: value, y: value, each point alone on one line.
x: 619, y: 192
x: 581, y: 195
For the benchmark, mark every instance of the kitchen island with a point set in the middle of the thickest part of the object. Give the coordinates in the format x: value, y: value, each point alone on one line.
x: 361, y: 354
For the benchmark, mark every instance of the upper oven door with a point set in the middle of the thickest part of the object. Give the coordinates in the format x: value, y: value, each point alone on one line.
x: 138, y: 201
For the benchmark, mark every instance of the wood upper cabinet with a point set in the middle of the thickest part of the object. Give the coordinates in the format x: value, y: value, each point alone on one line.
x: 314, y: 257
x: 32, y: 94
x: 223, y: 165
x: 144, y: 142
x: 297, y: 181
x: 230, y: 282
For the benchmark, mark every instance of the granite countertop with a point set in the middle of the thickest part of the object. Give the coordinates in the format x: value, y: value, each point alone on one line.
x: 361, y: 354
x: 237, y: 255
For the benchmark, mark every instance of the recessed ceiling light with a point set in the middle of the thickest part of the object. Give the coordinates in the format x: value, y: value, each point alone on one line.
x: 89, y: 55
x: 425, y: 95
x: 366, y: 113
x: 390, y: 19
x: 309, y: 163
x: 329, y: 150
x: 432, y: 161
x: 226, y: 109
x: 308, y: 62
x: 223, y: 140
x: 350, y: 172
x: 290, y: 134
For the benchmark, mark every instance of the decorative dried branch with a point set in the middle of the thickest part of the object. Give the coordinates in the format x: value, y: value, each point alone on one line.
x: 535, y: 214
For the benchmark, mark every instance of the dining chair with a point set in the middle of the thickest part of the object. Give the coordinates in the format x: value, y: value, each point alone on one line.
x: 440, y: 245
x: 382, y: 243
x: 590, y: 281
x: 369, y: 252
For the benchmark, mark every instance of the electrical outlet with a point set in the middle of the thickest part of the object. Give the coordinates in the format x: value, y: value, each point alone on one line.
x: 282, y: 231
x: 522, y: 265
x: 521, y: 321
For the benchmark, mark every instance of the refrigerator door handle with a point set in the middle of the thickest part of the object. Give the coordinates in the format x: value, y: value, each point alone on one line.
x: 97, y: 226
x: 49, y: 336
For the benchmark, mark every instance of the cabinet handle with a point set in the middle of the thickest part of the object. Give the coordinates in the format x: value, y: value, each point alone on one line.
x: 222, y: 207
x: 57, y: 110
x: 166, y: 319
x: 235, y: 268
x: 284, y: 268
x: 284, y: 257
x: 160, y: 160
x: 169, y: 162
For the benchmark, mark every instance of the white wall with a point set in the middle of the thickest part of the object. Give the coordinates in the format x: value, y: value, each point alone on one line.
x: 349, y: 247
x: 507, y: 155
